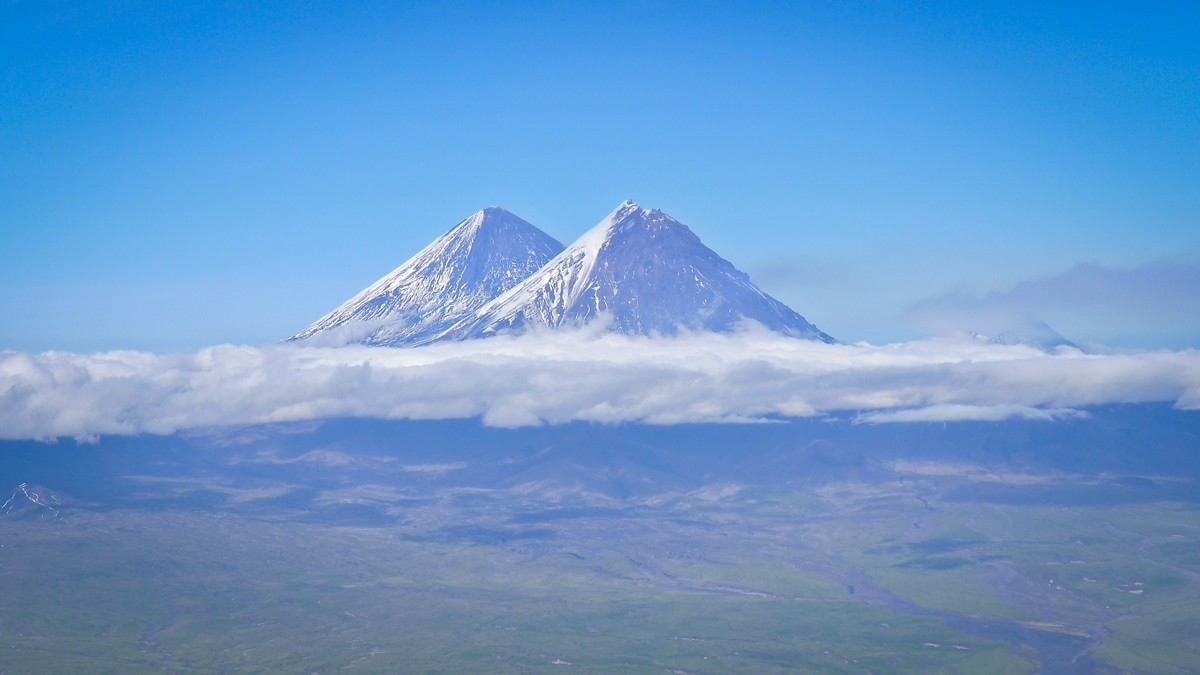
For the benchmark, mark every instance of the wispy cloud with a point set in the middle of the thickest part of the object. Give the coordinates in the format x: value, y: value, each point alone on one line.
x: 560, y: 377
x: 1088, y: 302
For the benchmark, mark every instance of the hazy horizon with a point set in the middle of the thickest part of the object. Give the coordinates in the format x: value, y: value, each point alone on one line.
x: 176, y: 177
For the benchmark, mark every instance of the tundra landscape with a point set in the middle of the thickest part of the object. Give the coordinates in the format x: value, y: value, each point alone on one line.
x: 599, y: 337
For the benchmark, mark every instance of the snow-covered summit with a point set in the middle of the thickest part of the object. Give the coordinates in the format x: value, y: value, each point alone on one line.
x: 644, y: 273
x: 1031, y: 333
x: 460, y: 272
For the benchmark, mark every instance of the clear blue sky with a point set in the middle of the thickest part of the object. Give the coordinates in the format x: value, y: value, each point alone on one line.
x: 176, y: 175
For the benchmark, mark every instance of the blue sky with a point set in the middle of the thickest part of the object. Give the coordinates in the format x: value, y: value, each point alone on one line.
x: 173, y: 176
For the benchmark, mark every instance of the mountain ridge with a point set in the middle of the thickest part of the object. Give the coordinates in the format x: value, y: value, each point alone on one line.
x: 639, y: 271
x: 647, y: 274
x: 460, y: 271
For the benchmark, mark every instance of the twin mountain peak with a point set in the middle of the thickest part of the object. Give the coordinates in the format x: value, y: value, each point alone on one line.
x: 638, y: 271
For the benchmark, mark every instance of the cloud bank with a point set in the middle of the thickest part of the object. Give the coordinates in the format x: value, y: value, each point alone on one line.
x: 1089, y: 302
x: 559, y: 377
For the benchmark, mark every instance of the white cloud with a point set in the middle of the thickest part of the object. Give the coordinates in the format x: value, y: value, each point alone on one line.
x: 560, y: 377
x: 957, y: 412
x: 1154, y: 303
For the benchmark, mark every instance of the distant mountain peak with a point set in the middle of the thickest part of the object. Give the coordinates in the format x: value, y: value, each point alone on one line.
x: 33, y: 501
x: 478, y: 259
x: 1032, y: 333
x: 646, y: 273
x: 489, y: 216
x: 638, y: 270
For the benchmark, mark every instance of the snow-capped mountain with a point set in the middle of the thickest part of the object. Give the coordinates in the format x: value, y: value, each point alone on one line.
x: 1036, y: 334
x: 460, y: 272
x: 643, y: 272
x: 33, y: 501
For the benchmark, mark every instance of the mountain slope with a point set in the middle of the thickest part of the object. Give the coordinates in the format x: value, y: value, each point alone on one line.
x: 1036, y: 334
x: 36, y: 502
x: 645, y: 273
x: 461, y: 271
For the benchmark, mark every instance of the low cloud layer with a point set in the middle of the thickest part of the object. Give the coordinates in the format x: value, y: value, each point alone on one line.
x: 561, y: 377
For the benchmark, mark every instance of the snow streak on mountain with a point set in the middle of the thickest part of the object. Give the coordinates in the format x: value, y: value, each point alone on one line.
x: 644, y: 272
x: 460, y: 272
